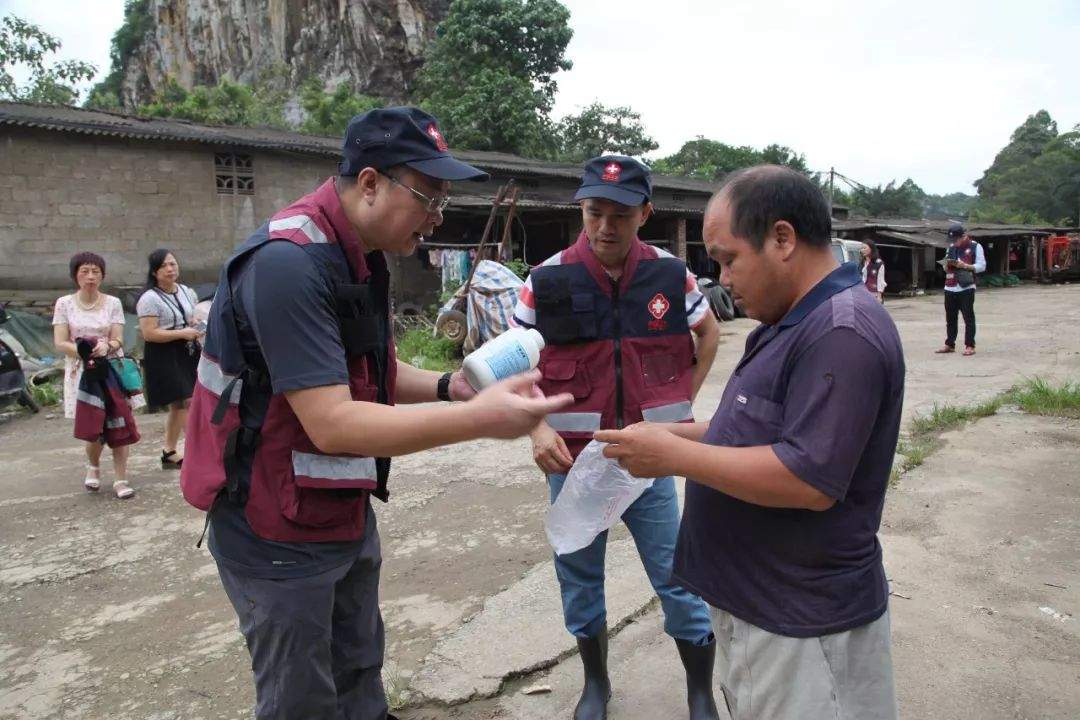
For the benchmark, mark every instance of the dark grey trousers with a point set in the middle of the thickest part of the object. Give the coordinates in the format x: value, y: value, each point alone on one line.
x: 316, y: 642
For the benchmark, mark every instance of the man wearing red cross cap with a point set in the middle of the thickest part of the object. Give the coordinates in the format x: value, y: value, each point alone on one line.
x: 631, y: 338
x: 293, y: 420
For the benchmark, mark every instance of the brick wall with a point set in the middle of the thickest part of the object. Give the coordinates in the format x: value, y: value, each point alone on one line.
x: 62, y: 193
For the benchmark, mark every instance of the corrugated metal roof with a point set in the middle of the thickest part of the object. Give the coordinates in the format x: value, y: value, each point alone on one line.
x: 939, y: 241
x: 911, y: 225
x: 63, y: 118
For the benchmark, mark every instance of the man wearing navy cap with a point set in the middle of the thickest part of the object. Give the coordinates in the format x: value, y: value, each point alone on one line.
x: 963, y: 260
x: 292, y: 422
x: 620, y: 319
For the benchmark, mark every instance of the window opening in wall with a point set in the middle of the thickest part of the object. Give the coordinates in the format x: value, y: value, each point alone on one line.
x: 234, y: 174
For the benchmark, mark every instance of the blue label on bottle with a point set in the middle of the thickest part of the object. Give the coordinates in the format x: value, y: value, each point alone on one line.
x: 512, y: 360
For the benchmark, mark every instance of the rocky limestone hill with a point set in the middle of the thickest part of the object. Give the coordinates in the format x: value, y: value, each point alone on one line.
x: 375, y: 46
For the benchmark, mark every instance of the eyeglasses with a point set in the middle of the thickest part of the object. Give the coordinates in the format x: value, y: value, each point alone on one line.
x: 431, y: 204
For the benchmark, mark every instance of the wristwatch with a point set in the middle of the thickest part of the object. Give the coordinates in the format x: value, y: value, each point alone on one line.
x: 442, y: 391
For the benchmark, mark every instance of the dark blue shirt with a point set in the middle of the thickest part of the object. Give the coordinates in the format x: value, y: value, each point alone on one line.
x: 285, y: 314
x: 824, y: 388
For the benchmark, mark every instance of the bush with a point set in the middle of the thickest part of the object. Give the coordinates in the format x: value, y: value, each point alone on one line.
x: 47, y: 394
x: 417, y: 347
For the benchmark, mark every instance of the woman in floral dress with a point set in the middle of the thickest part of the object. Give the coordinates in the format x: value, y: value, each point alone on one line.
x: 89, y: 312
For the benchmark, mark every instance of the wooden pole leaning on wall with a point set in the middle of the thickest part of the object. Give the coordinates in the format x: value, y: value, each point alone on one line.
x: 499, y: 197
x: 509, y: 223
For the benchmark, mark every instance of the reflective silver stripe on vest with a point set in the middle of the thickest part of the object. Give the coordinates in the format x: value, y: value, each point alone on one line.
x: 213, y: 379
x: 574, y: 422
x: 85, y: 397
x: 116, y: 423
x: 300, y: 222
x: 675, y: 412
x: 333, y: 467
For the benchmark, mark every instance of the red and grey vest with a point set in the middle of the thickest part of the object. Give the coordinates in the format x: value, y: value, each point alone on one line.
x: 622, y: 348
x: 873, y: 269
x: 291, y: 492
x: 963, y: 278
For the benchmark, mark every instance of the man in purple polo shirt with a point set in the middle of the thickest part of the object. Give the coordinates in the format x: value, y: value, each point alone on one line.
x: 786, y: 484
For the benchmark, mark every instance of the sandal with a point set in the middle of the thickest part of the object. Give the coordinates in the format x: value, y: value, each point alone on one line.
x: 122, y: 489
x: 969, y: 351
x: 169, y: 464
x: 92, y: 481
x: 945, y: 349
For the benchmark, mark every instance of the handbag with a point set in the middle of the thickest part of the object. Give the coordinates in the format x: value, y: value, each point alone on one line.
x: 128, y: 372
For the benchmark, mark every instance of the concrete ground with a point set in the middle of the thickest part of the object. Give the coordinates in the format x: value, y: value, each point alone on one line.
x: 110, y: 611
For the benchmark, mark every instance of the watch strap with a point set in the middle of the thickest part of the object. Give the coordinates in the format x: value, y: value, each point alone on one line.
x: 443, y: 388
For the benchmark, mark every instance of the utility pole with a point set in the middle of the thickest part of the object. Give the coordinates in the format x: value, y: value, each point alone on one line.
x: 832, y: 173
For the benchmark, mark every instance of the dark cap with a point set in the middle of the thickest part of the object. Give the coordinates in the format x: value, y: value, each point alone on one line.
x: 956, y: 229
x: 617, y: 178
x: 409, y: 136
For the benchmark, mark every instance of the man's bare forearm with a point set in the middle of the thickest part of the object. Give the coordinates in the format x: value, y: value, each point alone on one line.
x: 690, y: 431
x: 706, y: 341
x: 415, y: 385
x: 751, y: 474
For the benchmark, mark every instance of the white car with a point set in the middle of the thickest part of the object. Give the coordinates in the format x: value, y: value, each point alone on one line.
x: 847, y: 250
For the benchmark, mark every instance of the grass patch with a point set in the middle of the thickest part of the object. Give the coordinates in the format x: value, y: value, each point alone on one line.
x: 1035, y: 396
x: 948, y: 417
x: 47, y: 394
x: 1039, y: 397
x: 915, y: 451
x: 925, y: 435
x: 396, y: 687
x: 417, y: 347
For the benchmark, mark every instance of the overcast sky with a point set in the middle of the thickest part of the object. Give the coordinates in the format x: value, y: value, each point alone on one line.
x: 878, y: 89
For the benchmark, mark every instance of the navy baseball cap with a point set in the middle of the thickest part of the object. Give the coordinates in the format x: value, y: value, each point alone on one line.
x: 617, y: 178
x: 956, y: 229
x: 409, y: 136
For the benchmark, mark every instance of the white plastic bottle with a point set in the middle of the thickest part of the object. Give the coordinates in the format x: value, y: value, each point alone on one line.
x: 515, y: 351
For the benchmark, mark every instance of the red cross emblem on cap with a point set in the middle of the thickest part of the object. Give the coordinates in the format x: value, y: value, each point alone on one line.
x: 659, y: 306
x: 611, y: 172
x: 440, y: 142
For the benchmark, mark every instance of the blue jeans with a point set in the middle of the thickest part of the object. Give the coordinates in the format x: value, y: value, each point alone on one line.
x: 653, y: 521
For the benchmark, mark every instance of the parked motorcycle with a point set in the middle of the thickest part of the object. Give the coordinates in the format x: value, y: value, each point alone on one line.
x: 13, y: 385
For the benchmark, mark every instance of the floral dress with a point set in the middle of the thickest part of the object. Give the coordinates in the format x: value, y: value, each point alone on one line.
x: 96, y: 322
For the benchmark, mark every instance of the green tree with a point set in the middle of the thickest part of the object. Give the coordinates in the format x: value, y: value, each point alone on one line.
x: 1027, y: 142
x: 783, y: 155
x: 599, y: 129
x: 711, y: 160
x: 951, y: 205
x: 25, y: 44
x: 227, y: 103
x: 489, y: 75
x: 106, y: 95
x: 1044, y: 190
x: 329, y: 113
x: 888, y: 201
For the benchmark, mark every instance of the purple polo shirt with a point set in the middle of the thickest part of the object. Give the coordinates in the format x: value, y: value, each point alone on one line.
x: 824, y: 388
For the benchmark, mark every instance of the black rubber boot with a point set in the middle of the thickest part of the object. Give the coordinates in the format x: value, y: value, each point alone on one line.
x: 698, y: 661
x: 597, y: 690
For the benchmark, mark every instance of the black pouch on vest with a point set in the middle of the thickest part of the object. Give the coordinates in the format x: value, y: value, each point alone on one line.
x: 563, y: 317
x: 363, y: 327
x: 362, y: 318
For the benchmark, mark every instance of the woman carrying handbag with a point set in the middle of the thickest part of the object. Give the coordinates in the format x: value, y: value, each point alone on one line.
x: 90, y: 313
x: 171, y: 356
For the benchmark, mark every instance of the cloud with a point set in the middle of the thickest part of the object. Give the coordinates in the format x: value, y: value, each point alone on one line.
x: 929, y: 89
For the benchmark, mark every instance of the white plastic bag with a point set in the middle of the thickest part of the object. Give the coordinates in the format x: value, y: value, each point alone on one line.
x: 596, y: 493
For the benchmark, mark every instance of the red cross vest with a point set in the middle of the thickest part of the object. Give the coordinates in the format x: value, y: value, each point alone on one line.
x: 961, y: 278
x: 291, y: 492
x: 622, y: 348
